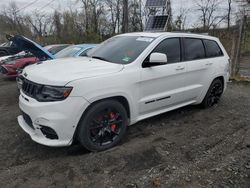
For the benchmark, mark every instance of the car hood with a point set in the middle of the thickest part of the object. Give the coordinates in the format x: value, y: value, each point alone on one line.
x: 26, y: 44
x: 62, y: 71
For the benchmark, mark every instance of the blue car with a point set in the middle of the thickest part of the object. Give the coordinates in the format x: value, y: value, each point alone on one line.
x: 75, y: 50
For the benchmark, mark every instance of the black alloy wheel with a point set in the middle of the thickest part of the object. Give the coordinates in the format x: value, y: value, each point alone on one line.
x: 214, y: 94
x: 103, y: 126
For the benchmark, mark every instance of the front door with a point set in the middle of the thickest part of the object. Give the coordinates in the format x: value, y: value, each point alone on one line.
x: 163, y: 85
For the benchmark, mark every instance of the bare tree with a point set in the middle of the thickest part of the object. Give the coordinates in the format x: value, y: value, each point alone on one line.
x: 135, y: 16
x: 39, y: 22
x: 93, y: 9
x: 12, y: 21
x: 209, y: 13
x: 180, y: 22
x: 114, y: 9
x: 57, y: 24
x: 229, y: 11
x: 125, y: 16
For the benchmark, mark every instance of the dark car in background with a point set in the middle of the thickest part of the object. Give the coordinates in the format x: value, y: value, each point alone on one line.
x: 34, y: 53
x: 9, y: 48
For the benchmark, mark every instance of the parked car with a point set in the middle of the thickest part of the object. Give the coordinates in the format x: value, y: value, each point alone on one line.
x: 79, y: 50
x: 9, y: 67
x: 11, y: 64
x: 55, y: 48
x: 75, y: 50
x: 36, y: 53
x: 9, y: 48
x: 7, y: 59
x: 126, y: 79
x: 70, y: 51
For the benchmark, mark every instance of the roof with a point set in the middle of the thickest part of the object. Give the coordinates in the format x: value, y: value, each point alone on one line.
x: 56, y: 45
x: 173, y: 34
x: 85, y: 45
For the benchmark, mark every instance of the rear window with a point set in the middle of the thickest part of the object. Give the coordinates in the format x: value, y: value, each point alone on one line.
x: 212, y: 48
x: 194, y: 49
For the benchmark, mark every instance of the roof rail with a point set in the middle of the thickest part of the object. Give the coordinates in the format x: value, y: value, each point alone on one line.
x: 207, y: 34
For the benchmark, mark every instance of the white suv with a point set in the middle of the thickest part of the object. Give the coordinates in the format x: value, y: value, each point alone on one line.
x: 126, y: 79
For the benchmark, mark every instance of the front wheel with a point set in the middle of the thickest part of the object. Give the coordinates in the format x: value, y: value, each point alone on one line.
x: 213, y: 94
x: 103, y: 126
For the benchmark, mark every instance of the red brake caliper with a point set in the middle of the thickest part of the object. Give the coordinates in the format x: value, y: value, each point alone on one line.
x: 112, y: 117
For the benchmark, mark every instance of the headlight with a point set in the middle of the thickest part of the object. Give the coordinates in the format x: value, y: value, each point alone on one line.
x: 53, y: 93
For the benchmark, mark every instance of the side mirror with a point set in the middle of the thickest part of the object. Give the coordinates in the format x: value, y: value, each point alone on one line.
x: 158, y: 58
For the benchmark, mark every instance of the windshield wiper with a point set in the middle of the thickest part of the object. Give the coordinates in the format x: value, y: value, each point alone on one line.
x: 101, y: 58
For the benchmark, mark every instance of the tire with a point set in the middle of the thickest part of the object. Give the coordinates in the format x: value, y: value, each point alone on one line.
x: 103, y: 126
x: 213, y: 94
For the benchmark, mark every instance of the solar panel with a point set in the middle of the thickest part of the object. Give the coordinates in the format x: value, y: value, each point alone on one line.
x: 156, y: 23
x: 156, y: 3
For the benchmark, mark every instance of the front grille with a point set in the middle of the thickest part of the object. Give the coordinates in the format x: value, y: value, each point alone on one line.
x: 3, y: 70
x: 30, y: 88
x: 28, y: 120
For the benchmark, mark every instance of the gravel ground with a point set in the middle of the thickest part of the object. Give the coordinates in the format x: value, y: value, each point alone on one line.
x: 188, y: 147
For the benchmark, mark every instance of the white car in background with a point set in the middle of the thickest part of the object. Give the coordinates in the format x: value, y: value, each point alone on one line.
x: 126, y: 79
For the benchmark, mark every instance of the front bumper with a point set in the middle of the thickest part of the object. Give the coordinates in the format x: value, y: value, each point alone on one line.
x: 61, y: 117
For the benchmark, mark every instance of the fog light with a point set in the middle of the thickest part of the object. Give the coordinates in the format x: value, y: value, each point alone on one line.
x: 48, y: 132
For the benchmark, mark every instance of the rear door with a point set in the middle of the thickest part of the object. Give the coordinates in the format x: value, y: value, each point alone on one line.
x: 199, y: 67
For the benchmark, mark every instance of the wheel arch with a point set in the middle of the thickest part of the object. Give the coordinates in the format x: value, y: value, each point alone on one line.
x: 123, y: 100
x: 222, y: 79
x: 202, y: 96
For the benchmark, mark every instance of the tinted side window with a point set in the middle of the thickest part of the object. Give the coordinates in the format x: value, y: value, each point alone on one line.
x: 194, y: 49
x: 212, y: 48
x: 170, y: 47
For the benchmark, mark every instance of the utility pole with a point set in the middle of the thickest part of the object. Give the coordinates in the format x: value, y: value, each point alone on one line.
x: 125, y: 17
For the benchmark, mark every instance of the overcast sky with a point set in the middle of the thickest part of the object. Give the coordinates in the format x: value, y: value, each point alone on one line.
x: 27, y: 6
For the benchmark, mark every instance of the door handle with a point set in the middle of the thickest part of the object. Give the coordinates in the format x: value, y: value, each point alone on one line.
x: 180, y: 68
x: 208, y: 64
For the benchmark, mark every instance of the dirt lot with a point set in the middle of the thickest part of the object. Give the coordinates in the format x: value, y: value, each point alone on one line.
x: 188, y: 147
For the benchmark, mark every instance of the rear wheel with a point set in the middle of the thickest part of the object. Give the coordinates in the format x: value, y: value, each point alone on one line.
x: 103, y: 126
x: 213, y: 94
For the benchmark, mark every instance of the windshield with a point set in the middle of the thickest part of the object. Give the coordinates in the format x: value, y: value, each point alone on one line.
x: 121, y: 49
x: 68, y: 52
x: 55, y: 49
